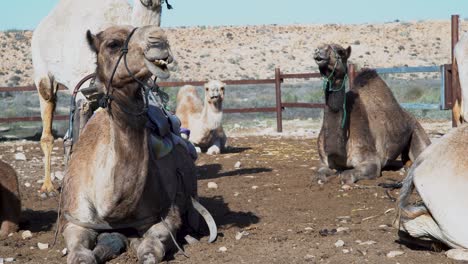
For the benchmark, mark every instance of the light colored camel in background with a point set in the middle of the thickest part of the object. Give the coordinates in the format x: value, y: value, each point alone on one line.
x: 203, y: 119
x: 10, y: 203
x: 60, y: 53
x: 440, y: 176
x: 115, y: 181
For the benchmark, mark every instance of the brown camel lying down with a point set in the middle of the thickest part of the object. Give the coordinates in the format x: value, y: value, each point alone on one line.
x: 10, y: 203
x: 365, y: 128
x: 115, y: 188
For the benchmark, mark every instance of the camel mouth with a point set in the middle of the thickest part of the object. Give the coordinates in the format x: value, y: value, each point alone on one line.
x: 158, y: 68
x: 320, y: 60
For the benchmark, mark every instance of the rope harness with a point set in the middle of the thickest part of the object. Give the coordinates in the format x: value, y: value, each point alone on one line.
x: 328, y: 83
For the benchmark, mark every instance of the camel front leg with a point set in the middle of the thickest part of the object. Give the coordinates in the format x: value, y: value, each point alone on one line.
x: 215, y: 149
x: 157, y: 239
x: 47, y: 96
x: 324, y: 171
x: 79, y: 242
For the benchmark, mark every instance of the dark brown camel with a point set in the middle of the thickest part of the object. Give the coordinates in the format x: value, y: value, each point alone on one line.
x: 365, y: 128
x: 117, y: 185
x: 10, y: 203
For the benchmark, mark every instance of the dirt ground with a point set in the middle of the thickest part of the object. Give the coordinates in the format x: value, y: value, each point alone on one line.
x: 270, y: 199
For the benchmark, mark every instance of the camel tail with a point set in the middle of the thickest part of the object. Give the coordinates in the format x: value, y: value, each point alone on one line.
x: 406, y: 189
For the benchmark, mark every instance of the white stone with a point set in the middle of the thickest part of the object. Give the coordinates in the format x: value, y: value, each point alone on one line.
x: 212, y: 185
x: 254, y: 187
x: 42, y: 246
x: 20, y: 149
x: 9, y: 259
x: 222, y: 249
x: 457, y: 254
x: 342, y: 229
x: 27, y: 184
x: 239, y: 235
x: 394, y: 253
x: 346, y: 187
x: 20, y: 156
x: 64, y: 252
x: 339, y: 243
x: 238, y: 165
x: 26, y: 234
x: 367, y: 243
x: 236, y: 194
x: 58, y: 175
x: 345, y: 251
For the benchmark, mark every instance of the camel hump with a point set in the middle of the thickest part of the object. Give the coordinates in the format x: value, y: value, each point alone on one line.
x: 364, y: 77
x: 187, y: 89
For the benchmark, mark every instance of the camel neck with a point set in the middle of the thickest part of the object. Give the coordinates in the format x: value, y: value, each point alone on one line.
x: 212, y: 114
x: 142, y: 16
x: 127, y: 109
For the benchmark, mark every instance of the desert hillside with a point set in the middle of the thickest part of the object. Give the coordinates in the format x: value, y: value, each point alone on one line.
x: 254, y: 51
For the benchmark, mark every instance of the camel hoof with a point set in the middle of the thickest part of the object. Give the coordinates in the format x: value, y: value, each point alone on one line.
x: 148, y: 258
x: 82, y: 257
x: 48, y: 189
x: 347, y: 178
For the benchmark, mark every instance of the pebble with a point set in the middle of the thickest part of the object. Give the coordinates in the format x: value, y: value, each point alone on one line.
x: 42, y: 246
x: 345, y: 251
x: 239, y: 235
x: 27, y: 184
x: 339, y: 243
x: 20, y: 156
x: 367, y: 243
x: 222, y: 249
x: 254, y: 187
x: 394, y: 253
x: 457, y: 254
x: 20, y: 149
x: 309, y: 257
x: 212, y: 185
x: 9, y: 259
x: 237, y: 165
x: 236, y: 194
x: 58, y: 175
x: 342, y: 229
x: 64, y: 252
x: 26, y: 234
x: 346, y: 187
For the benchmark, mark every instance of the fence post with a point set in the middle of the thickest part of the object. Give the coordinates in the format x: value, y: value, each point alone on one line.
x: 279, y: 114
x: 456, y: 89
x: 351, y: 74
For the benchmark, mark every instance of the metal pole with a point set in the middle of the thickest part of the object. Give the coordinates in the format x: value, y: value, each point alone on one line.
x: 279, y: 114
x: 351, y: 74
x: 456, y: 90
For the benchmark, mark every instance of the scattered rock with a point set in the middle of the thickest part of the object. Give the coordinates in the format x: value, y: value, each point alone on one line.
x: 308, y: 228
x: 238, y: 165
x: 339, y: 243
x: 20, y: 156
x: 27, y: 184
x: 58, y: 175
x: 342, y: 229
x: 394, y: 253
x: 20, y: 149
x: 222, y: 249
x: 239, y: 235
x: 64, y: 252
x: 457, y: 254
x: 42, y: 246
x: 309, y: 257
x: 254, y: 187
x: 212, y: 185
x: 236, y: 194
x: 345, y: 251
x: 9, y: 259
x: 367, y: 243
x: 326, y: 232
x: 346, y: 187
x: 26, y: 234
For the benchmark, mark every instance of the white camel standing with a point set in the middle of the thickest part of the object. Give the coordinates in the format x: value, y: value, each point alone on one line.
x: 440, y: 175
x: 61, y: 55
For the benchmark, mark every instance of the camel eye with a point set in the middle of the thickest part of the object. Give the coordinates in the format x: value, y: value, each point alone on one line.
x: 114, y: 44
x: 206, y: 89
x: 222, y: 88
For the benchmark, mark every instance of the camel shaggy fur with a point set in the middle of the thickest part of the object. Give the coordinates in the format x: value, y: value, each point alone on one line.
x: 204, y: 120
x: 10, y: 203
x: 60, y: 54
x: 365, y: 128
x: 114, y: 186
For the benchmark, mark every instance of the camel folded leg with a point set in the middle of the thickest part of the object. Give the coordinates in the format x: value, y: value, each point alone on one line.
x: 47, y: 98
x: 215, y: 149
x: 157, y: 240
x: 363, y: 171
x: 79, y: 241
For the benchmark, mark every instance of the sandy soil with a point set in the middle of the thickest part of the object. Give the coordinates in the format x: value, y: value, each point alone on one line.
x: 270, y: 198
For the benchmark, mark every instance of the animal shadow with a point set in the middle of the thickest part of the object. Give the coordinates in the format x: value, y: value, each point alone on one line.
x: 37, y: 221
x: 212, y: 171
x: 233, y: 150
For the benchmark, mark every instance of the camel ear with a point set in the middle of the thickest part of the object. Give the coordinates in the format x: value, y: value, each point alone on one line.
x: 93, y: 41
x: 348, y: 52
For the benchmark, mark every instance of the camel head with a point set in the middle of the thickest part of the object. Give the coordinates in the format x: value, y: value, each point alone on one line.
x: 151, y: 4
x: 332, y: 59
x: 214, y: 93
x: 148, y: 54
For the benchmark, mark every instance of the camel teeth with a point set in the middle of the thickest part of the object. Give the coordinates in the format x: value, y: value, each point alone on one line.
x: 160, y: 62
